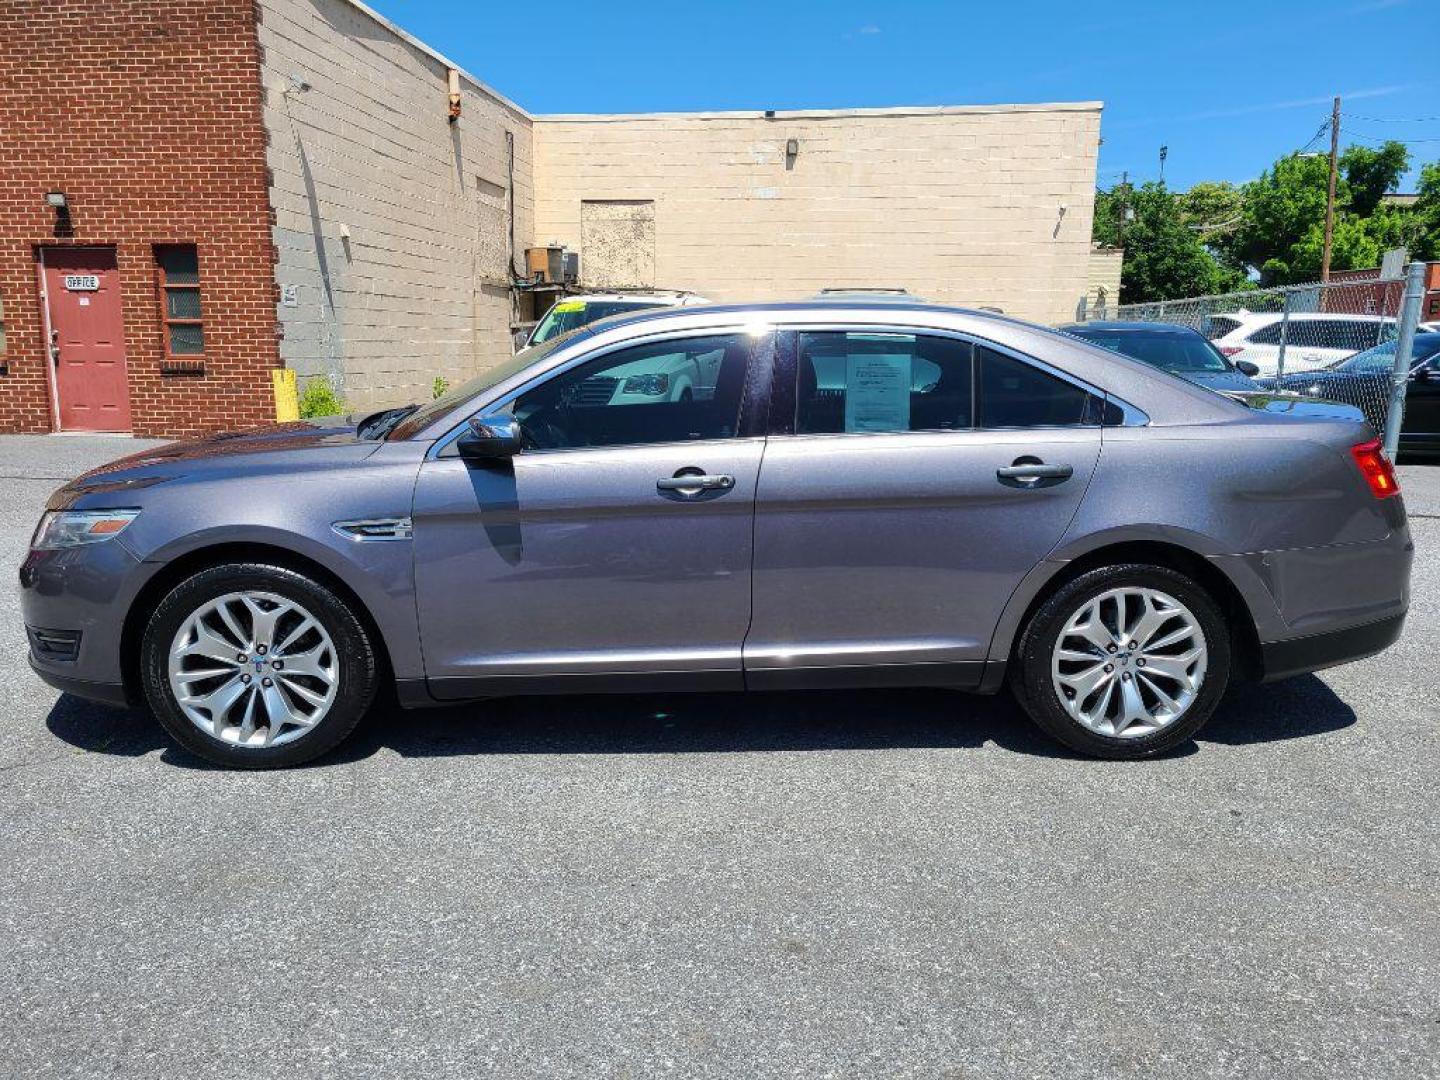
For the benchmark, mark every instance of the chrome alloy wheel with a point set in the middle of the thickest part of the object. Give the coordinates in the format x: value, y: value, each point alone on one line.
x: 253, y: 669
x: 1129, y: 662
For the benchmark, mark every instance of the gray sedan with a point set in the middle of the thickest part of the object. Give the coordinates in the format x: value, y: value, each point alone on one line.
x: 857, y: 494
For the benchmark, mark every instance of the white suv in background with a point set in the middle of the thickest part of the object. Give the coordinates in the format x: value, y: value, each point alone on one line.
x: 1312, y: 340
x: 568, y: 312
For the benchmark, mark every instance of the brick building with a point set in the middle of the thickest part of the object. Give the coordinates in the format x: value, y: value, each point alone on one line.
x: 146, y: 118
x: 249, y: 184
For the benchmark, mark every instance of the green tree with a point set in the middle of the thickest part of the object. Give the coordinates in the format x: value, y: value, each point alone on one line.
x: 1164, y: 256
x: 1425, y: 241
x: 1213, y: 209
x: 1281, y: 234
x: 1369, y: 174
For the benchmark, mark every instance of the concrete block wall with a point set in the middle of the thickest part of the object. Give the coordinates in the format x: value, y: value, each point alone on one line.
x: 1106, y: 265
x: 960, y: 205
x: 360, y: 142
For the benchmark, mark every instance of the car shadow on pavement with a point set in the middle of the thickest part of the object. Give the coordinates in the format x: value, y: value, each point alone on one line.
x: 720, y: 723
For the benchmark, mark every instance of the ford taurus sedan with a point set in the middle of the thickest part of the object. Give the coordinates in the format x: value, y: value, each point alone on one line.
x: 865, y: 495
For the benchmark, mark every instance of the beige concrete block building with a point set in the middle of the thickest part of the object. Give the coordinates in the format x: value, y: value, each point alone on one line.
x: 977, y: 205
x: 392, y: 222
x: 400, y: 232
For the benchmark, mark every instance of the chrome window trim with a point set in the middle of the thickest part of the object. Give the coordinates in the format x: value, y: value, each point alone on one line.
x: 1133, y: 417
x: 751, y: 329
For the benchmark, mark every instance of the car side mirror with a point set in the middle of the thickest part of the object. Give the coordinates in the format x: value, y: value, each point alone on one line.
x: 490, y: 438
x: 1246, y: 368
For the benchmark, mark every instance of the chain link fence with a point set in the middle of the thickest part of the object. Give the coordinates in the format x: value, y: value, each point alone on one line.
x: 1335, y: 342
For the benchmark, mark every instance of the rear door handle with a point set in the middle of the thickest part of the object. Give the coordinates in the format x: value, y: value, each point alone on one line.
x: 688, y: 483
x: 1035, y: 472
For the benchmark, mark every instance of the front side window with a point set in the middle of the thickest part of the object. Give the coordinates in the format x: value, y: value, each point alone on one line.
x: 680, y: 390
x: 1266, y: 335
x: 876, y: 382
x: 1220, y: 326
x: 179, y: 268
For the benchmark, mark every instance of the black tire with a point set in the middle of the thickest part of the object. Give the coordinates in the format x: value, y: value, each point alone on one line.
x: 355, y: 656
x: 1030, y: 673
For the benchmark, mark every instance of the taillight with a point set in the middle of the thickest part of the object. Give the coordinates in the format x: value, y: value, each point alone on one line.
x: 1231, y: 350
x: 1376, y: 468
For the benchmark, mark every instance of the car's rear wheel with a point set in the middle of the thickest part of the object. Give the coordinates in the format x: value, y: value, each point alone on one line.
x: 257, y: 666
x: 1124, y: 661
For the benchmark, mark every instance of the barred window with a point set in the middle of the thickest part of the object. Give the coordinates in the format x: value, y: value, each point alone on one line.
x: 178, y: 266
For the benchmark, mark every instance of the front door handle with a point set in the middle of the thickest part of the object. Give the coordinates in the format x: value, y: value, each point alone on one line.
x: 1030, y: 472
x: 692, y: 482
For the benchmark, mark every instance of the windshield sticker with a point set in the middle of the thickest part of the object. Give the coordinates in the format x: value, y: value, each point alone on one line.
x: 567, y: 306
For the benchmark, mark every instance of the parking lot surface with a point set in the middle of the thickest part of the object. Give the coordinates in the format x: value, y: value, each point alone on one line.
x: 814, y: 884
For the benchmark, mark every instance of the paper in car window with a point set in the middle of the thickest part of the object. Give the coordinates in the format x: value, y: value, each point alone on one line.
x: 569, y: 305
x: 877, y: 391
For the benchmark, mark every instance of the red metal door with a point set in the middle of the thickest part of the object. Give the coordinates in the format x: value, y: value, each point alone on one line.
x: 87, y: 338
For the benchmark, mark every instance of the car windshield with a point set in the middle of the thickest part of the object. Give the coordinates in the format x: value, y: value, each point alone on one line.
x: 428, y: 413
x: 566, y: 315
x: 1381, y: 358
x: 1178, y: 353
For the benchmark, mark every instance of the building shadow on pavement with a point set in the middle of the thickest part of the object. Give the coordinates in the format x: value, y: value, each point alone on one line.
x: 720, y: 723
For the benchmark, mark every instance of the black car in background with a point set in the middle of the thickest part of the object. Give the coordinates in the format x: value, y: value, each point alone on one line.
x: 1363, y: 380
x: 1173, y: 348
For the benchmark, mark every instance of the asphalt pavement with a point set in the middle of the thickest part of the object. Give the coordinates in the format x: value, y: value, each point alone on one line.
x: 890, y: 884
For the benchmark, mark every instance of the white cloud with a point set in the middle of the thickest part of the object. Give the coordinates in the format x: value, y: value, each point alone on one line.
x: 1264, y: 107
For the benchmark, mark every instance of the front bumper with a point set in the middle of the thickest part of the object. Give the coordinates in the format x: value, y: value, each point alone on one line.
x: 84, y: 590
x: 1282, y: 659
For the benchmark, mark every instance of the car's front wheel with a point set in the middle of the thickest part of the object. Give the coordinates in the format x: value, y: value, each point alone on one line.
x: 256, y: 666
x: 1124, y: 661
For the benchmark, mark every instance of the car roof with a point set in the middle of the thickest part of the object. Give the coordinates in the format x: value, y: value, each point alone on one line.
x: 1128, y: 327
x: 887, y: 309
x: 662, y: 296
x: 1272, y: 316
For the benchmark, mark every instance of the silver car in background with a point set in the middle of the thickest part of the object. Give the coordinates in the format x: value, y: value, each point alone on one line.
x: 856, y: 495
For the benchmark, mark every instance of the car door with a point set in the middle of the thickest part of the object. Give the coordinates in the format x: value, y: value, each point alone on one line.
x: 910, y: 482
x: 1421, y: 422
x: 617, y: 544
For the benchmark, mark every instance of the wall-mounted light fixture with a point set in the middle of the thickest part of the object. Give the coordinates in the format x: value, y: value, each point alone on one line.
x: 60, y: 203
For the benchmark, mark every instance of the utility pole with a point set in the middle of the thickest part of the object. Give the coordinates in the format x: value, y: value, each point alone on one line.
x: 1164, y: 153
x: 1330, y: 199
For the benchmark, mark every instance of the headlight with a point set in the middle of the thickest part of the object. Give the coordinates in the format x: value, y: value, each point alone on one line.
x: 70, y: 528
x: 650, y: 385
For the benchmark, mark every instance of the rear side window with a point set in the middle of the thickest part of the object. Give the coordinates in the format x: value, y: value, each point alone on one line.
x: 1011, y: 393
x: 882, y: 382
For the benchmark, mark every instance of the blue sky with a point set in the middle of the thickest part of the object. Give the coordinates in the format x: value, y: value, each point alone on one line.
x: 1228, y: 86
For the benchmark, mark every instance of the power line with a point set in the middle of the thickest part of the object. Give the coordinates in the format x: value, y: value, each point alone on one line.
x: 1381, y: 142
x: 1320, y: 133
x: 1396, y: 119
